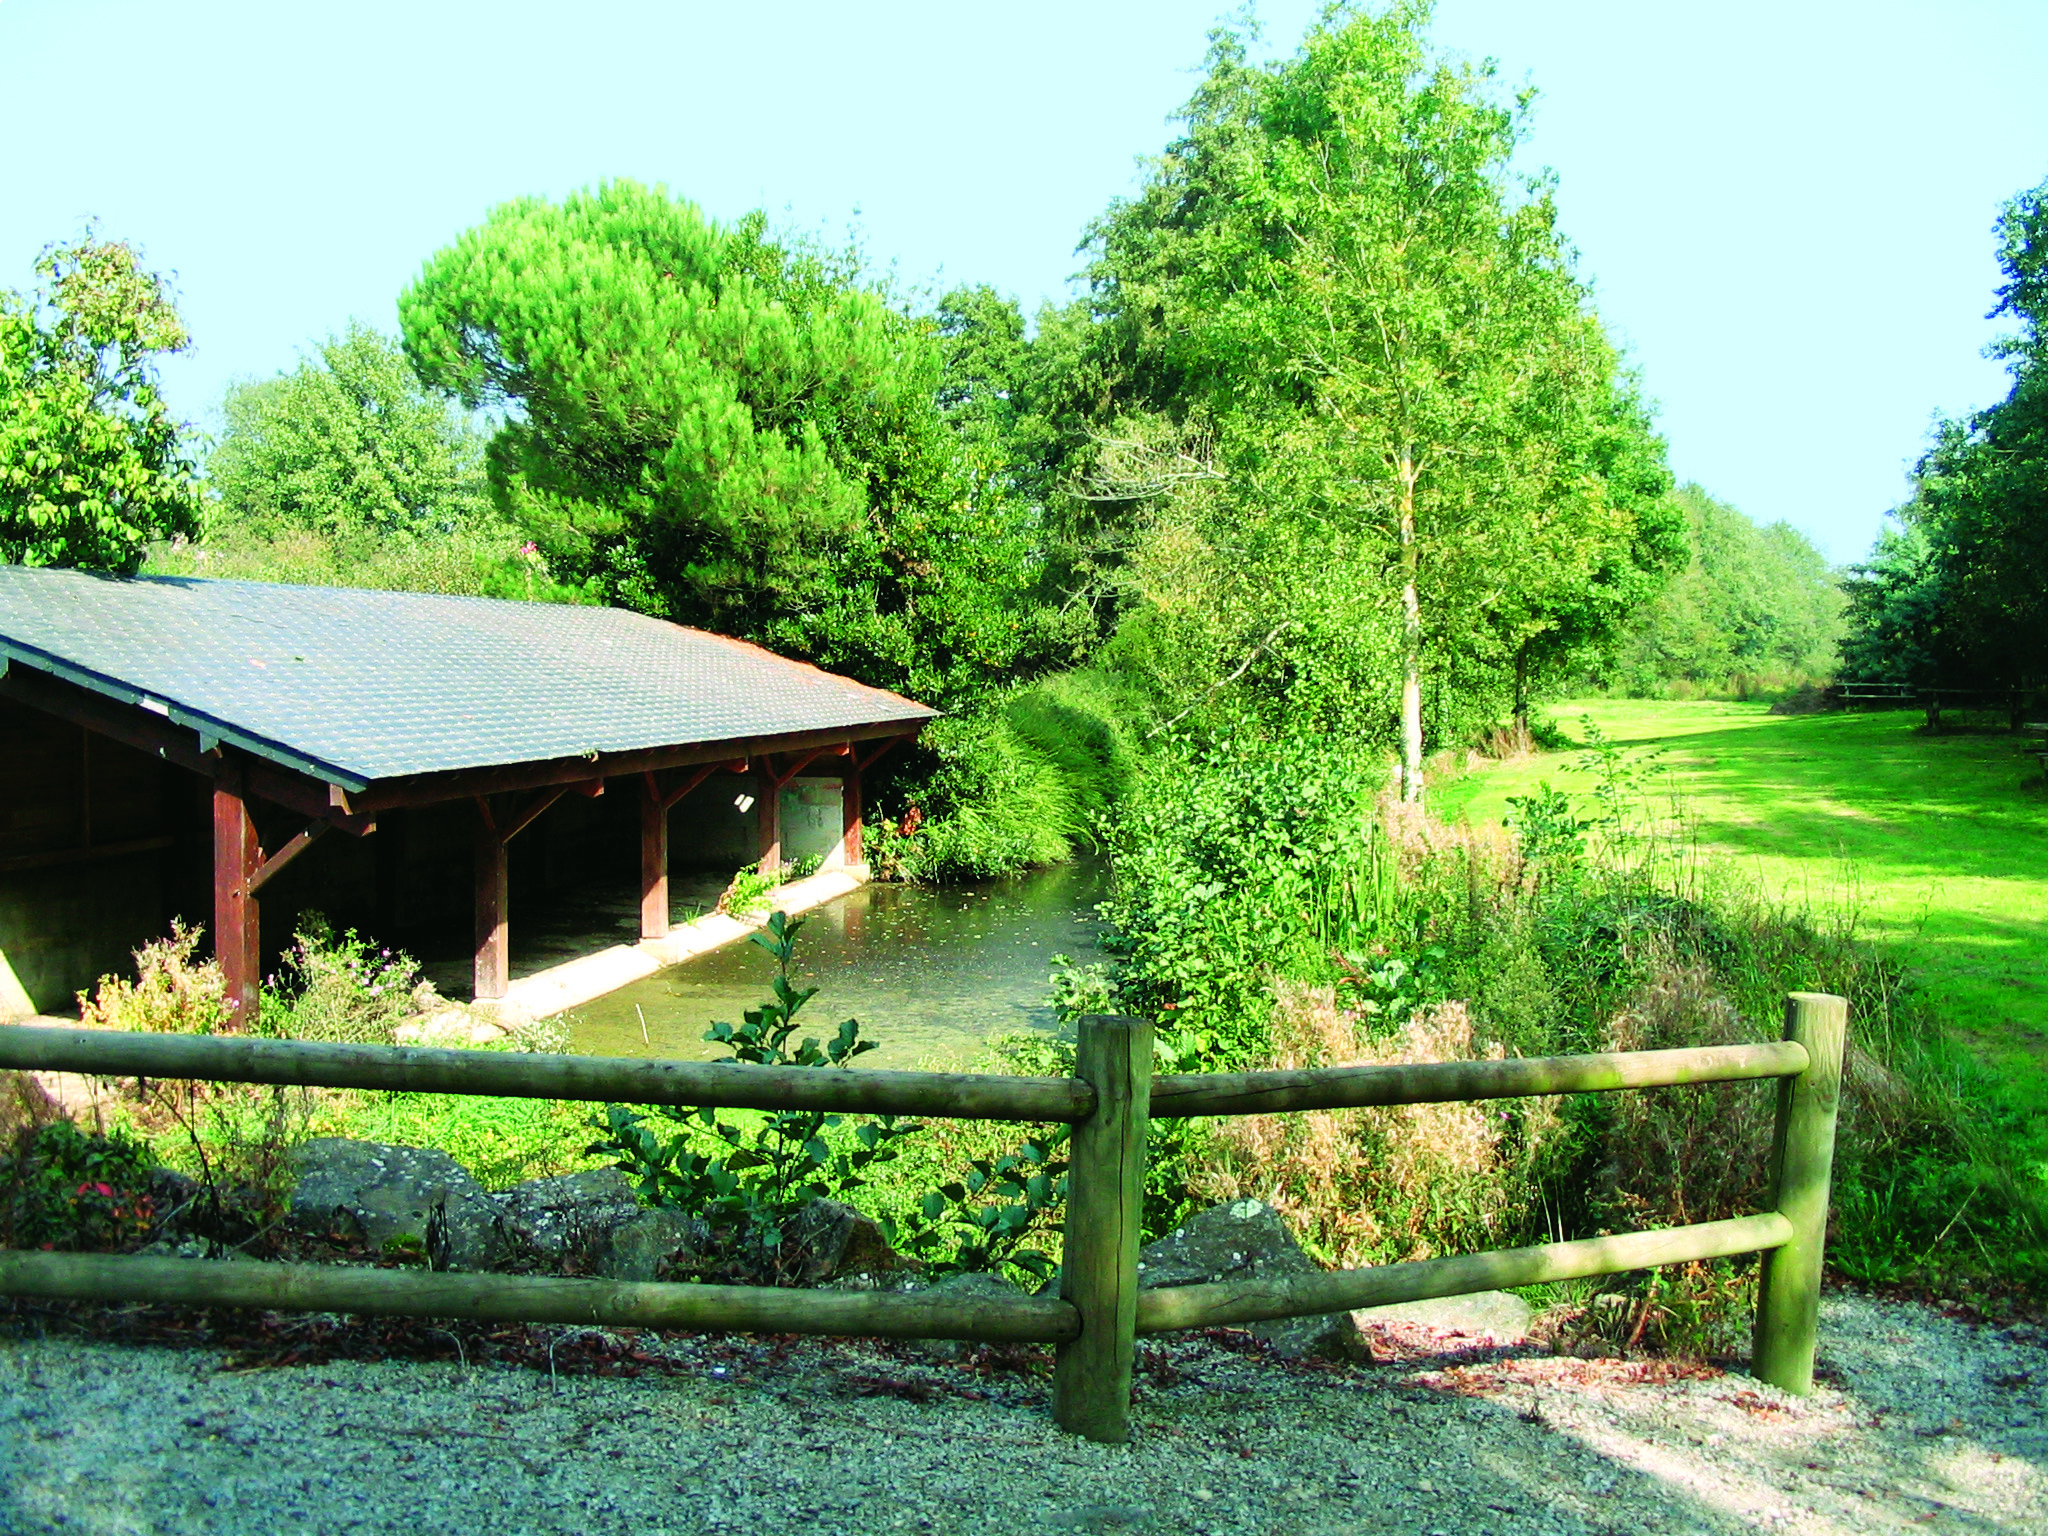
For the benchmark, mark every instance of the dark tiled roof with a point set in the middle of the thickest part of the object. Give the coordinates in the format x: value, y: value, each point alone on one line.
x: 355, y: 686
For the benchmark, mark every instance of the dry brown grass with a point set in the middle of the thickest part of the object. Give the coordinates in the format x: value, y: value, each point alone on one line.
x: 1681, y: 1155
x: 1380, y: 1185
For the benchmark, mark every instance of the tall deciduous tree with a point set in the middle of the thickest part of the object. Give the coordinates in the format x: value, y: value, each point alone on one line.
x: 347, y: 443
x: 1334, y: 265
x: 1750, y: 599
x: 91, y: 465
x: 1956, y: 595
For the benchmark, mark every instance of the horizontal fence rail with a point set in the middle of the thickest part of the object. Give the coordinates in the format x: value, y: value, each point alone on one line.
x: 1110, y: 1101
x: 537, y: 1298
x: 1344, y: 1290
x: 1266, y: 1093
x: 525, y: 1075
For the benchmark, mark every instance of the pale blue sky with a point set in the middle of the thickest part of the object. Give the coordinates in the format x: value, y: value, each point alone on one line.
x: 1785, y: 207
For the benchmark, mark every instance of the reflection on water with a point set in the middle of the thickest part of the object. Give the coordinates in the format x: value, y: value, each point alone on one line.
x: 930, y: 974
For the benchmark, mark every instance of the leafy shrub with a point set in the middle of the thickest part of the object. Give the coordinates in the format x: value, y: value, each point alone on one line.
x: 1021, y: 782
x: 1234, y: 864
x: 747, y: 1173
x: 61, y: 1187
x: 172, y: 994
x: 992, y: 804
x: 764, y: 1167
x: 981, y: 1221
x: 751, y: 890
x: 338, y: 987
x: 1257, y: 870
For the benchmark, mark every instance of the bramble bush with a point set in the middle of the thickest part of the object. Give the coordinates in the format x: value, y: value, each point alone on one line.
x: 338, y: 987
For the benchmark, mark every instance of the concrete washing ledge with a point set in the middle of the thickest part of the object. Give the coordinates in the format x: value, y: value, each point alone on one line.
x: 576, y: 982
x: 531, y: 998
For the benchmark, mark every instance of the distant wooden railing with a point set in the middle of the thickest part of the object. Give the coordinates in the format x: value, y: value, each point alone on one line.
x: 1110, y: 1100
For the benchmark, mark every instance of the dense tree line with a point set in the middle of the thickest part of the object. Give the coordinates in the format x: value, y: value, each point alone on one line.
x: 1954, y: 592
x: 1753, y: 606
x: 1333, y: 440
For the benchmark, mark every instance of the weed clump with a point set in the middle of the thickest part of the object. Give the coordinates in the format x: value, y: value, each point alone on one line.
x: 1382, y: 1186
x: 339, y: 987
x: 173, y: 992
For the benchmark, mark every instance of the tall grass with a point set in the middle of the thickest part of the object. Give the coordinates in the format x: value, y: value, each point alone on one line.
x: 1270, y: 913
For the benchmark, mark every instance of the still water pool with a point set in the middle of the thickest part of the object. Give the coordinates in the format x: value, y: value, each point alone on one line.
x: 930, y: 974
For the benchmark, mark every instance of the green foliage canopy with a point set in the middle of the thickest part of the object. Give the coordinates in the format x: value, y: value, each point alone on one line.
x: 347, y: 443
x: 1955, y: 593
x: 1374, y: 342
x: 1750, y: 600
x: 729, y: 431
x: 91, y: 466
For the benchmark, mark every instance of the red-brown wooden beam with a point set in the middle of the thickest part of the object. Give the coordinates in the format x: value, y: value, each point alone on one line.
x: 431, y: 789
x: 655, y: 804
x: 493, y: 973
x: 237, y: 919
x: 653, y: 863
x: 865, y: 761
x: 492, y: 976
x: 768, y: 819
x: 268, y: 867
x: 850, y: 850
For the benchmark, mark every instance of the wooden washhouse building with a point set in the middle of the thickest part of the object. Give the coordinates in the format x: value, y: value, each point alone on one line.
x: 413, y: 765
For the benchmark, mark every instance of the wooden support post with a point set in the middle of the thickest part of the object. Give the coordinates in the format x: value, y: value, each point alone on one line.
x: 1105, y: 1201
x: 1802, y: 1162
x: 653, y: 862
x: 237, y: 919
x: 850, y: 850
x: 493, y: 930
x: 768, y: 819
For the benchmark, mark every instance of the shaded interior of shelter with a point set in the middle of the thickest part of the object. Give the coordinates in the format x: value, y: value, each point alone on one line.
x: 102, y: 845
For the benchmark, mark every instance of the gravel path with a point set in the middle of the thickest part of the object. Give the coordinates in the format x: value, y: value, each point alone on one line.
x: 1929, y: 1424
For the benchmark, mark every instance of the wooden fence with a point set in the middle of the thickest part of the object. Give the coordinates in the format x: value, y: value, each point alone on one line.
x: 1095, y: 1320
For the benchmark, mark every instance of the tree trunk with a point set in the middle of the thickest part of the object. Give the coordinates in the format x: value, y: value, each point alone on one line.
x: 1522, y: 686
x: 1411, y: 642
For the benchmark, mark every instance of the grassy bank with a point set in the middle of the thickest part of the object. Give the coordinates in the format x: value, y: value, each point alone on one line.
x: 1936, y: 846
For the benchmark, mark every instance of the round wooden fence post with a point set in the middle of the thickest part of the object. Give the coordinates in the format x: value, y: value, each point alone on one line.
x: 1802, y: 1163
x: 1091, y: 1389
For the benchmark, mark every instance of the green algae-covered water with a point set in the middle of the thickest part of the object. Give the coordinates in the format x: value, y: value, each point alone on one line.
x: 930, y: 974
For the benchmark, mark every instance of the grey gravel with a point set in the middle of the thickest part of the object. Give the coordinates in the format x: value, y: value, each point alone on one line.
x: 1928, y: 1424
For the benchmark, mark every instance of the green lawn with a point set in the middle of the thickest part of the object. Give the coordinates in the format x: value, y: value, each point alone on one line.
x: 1938, y: 843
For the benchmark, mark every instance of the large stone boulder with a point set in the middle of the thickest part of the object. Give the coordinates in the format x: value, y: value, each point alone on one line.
x: 1248, y: 1240
x: 1492, y: 1315
x: 652, y: 1245
x: 831, y: 1241
x: 401, y: 1197
x: 573, y: 1215
x: 968, y: 1286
